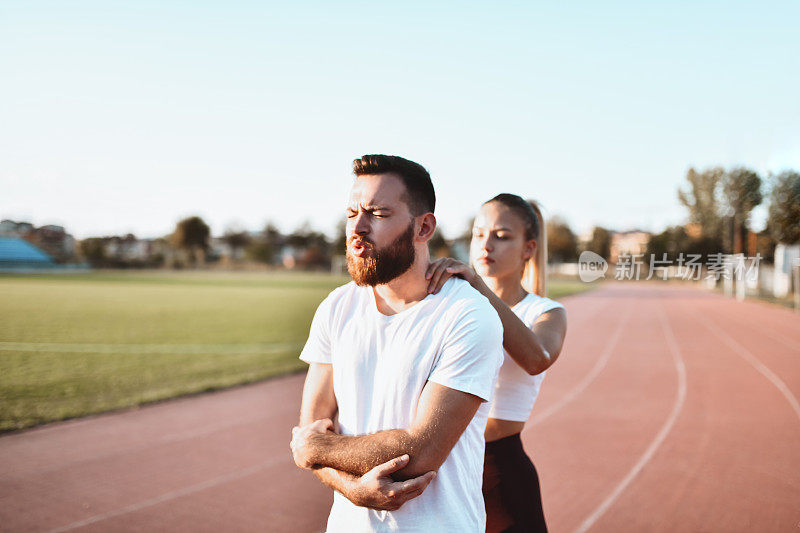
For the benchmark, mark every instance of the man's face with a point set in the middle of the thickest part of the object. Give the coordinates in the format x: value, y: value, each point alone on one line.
x: 380, y: 230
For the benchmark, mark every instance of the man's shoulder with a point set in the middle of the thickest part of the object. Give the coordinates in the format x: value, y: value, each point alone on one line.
x: 341, y: 295
x: 459, y: 290
x: 343, y: 290
x: 464, y: 300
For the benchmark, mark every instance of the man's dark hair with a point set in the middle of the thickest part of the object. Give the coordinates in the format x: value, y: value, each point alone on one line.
x: 419, y: 196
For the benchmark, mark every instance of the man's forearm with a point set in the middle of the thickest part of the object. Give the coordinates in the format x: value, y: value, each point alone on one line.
x: 358, y: 455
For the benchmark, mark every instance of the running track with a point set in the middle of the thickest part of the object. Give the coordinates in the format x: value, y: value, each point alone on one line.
x: 671, y: 409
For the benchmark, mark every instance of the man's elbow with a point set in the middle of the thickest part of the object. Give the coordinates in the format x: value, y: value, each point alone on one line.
x: 420, y: 463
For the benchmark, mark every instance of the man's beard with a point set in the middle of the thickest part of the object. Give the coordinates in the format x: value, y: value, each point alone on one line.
x: 383, y: 264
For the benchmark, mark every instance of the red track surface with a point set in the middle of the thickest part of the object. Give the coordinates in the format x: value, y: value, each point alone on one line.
x: 671, y: 409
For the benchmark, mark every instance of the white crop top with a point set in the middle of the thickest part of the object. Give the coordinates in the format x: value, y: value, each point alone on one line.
x: 516, y: 390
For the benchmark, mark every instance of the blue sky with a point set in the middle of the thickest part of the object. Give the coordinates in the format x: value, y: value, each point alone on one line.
x: 123, y: 117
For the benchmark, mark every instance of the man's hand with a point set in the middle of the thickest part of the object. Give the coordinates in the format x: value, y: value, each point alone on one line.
x: 301, y: 445
x: 377, y: 490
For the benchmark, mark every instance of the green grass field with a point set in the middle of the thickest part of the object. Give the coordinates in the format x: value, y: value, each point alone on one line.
x: 77, y: 344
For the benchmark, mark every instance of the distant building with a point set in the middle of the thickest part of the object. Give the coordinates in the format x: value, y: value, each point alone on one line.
x: 125, y: 251
x: 55, y: 241
x: 9, y: 228
x: 52, y: 239
x: 787, y: 258
x: 220, y: 247
x: 628, y: 243
x: 128, y: 248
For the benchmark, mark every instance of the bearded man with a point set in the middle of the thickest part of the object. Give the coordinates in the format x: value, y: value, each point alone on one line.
x: 407, y: 373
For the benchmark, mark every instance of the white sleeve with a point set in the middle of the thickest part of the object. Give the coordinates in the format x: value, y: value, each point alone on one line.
x: 318, y: 345
x: 545, y: 306
x: 472, y: 353
x: 549, y: 306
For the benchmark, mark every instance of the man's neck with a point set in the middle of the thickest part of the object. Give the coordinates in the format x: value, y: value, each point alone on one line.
x: 404, y: 291
x: 508, y: 288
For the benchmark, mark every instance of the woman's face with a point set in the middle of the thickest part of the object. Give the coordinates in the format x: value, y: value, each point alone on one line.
x: 498, y: 247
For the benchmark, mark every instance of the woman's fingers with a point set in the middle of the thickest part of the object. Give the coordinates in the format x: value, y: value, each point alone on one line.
x: 443, y: 269
x: 461, y: 270
x: 457, y: 269
x: 431, y: 274
x: 438, y: 278
x: 432, y: 267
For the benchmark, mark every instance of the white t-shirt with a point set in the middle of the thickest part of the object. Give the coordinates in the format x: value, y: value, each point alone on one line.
x: 516, y: 390
x: 380, y: 365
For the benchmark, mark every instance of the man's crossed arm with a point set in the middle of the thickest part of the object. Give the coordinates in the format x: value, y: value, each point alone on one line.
x: 350, y: 463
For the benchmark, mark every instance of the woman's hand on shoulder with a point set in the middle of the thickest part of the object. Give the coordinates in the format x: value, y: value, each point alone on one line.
x: 441, y: 270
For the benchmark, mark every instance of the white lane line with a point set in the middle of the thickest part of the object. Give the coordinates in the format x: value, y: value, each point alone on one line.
x: 756, y: 363
x: 199, y: 349
x: 191, y: 489
x: 781, y: 338
x: 598, y: 367
x: 153, y: 443
x: 769, y: 332
x: 680, y: 367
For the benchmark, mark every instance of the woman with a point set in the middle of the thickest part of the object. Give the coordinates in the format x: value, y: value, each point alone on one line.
x: 508, y: 254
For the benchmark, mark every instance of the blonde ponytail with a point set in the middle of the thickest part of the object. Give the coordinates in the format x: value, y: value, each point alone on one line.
x: 534, y: 277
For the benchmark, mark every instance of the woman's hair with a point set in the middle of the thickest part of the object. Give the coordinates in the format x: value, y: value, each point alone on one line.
x: 534, y: 276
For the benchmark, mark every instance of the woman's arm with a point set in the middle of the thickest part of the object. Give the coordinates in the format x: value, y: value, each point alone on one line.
x: 534, y: 349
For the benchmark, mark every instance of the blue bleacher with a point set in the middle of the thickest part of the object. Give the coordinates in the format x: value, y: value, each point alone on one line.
x: 19, y: 252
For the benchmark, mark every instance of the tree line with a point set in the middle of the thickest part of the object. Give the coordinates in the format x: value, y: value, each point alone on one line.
x: 719, y: 205
x: 190, y: 245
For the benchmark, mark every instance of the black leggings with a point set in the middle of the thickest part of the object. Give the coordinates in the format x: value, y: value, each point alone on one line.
x: 511, y: 489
